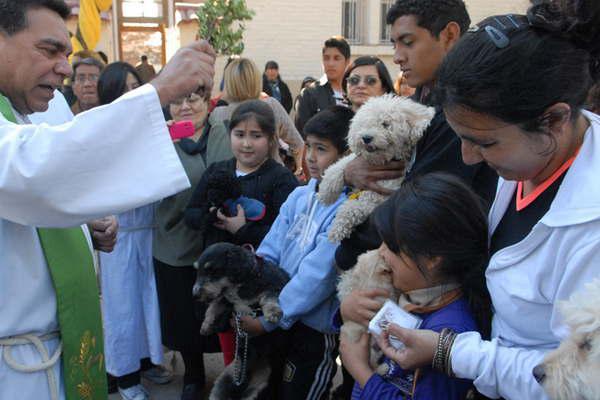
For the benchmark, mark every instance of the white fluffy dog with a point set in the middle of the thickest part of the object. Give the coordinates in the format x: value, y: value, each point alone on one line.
x: 370, y: 272
x: 385, y: 128
x: 573, y: 370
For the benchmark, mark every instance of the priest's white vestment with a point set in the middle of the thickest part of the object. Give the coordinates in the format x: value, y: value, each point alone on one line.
x: 58, y: 172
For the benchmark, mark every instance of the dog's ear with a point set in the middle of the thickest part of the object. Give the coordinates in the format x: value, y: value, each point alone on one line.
x: 418, y: 117
x: 209, y: 267
x: 385, y: 269
x: 581, y: 311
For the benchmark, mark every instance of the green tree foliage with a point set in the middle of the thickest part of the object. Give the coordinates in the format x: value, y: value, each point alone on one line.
x: 222, y: 24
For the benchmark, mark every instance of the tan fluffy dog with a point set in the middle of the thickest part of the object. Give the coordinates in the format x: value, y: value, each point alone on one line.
x: 573, y: 370
x: 370, y: 272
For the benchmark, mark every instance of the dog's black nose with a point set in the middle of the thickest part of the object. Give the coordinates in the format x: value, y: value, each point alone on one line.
x: 367, y: 139
x: 539, y: 372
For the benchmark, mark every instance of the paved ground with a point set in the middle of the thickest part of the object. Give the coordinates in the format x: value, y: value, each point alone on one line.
x: 172, y: 391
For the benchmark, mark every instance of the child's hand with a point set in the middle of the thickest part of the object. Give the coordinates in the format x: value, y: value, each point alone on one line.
x: 360, y: 306
x: 231, y: 224
x: 355, y: 357
x: 250, y: 325
x: 419, y: 347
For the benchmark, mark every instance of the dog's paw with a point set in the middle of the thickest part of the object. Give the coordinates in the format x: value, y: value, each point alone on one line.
x: 272, y: 312
x: 338, y: 232
x: 382, y: 369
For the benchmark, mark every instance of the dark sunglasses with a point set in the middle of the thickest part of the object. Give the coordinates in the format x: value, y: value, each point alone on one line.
x: 369, y: 80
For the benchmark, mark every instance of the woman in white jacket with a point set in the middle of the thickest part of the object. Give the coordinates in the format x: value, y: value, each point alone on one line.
x: 513, y: 90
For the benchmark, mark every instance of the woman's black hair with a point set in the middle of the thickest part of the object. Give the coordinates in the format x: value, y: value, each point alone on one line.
x: 271, y: 65
x: 437, y: 215
x: 514, y: 67
x: 112, y: 83
x: 258, y: 110
x: 384, y: 75
x: 593, y: 99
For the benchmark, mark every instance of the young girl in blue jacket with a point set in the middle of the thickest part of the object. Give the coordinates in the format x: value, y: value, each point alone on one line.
x: 434, y: 235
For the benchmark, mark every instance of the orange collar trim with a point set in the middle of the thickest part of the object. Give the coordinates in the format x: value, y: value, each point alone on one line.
x: 523, y: 202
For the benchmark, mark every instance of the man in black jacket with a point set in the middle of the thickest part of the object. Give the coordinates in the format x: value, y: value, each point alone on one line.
x: 328, y: 91
x: 423, y: 32
x: 275, y: 87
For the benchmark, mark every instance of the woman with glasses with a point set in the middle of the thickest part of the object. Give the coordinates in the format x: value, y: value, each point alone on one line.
x: 85, y: 84
x: 176, y: 246
x: 366, y: 77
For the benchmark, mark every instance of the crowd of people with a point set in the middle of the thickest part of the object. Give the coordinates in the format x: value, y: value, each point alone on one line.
x: 497, y: 219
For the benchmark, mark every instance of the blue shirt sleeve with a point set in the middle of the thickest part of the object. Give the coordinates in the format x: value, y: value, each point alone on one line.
x: 272, y: 245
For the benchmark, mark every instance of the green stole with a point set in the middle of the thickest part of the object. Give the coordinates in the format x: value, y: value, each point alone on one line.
x: 78, y: 302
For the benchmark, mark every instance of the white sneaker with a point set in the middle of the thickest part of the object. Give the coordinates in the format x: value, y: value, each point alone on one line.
x: 159, y: 375
x: 137, y: 392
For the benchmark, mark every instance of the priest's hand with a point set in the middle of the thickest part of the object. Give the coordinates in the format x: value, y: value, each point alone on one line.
x: 104, y: 233
x: 191, y: 67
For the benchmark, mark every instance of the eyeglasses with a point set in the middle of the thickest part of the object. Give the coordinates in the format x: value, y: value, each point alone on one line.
x: 191, y: 99
x: 369, y: 80
x: 81, y: 78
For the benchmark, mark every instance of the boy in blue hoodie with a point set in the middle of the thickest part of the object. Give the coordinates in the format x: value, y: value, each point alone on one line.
x: 306, y: 343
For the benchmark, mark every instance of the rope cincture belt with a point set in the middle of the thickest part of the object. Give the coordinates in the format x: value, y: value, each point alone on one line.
x: 47, y: 363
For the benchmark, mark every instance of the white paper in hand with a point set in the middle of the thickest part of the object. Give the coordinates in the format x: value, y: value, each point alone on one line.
x: 392, y: 313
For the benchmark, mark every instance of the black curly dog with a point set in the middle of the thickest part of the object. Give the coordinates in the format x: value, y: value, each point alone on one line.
x: 220, y: 187
x: 230, y: 279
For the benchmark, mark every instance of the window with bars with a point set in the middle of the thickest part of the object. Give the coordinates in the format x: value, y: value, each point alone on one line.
x: 352, y: 21
x: 384, y: 28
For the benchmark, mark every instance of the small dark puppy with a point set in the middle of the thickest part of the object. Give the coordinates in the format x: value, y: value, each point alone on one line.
x: 233, y: 274
x: 231, y: 278
x: 221, y: 186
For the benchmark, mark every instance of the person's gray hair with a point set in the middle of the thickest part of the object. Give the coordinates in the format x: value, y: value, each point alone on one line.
x: 87, y: 61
